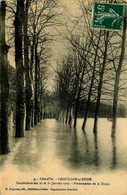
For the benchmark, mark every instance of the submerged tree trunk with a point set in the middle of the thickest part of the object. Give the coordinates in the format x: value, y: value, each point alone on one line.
x: 67, y: 110
x: 70, y: 116
x: 36, y: 87
x: 91, y: 85
x: 100, y: 83
x: 39, y: 85
x: 78, y: 95
x: 117, y: 79
x: 28, y: 88
x: 76, y: 109
x: 20, y: 98
x: 4, y: 148
x: 31, y: 75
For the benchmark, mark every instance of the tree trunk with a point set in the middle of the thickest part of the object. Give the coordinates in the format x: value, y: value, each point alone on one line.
x: 117, y: 79
x: 36, y: 87
x: 39, y: 82
x: 31, y: 75
x: 91, y: 85
x: 100, y: 84
x: 63, y: 112
x: 78, y: 96
x: 28, y: 88
x: 20, y: 99
x: 70, y: 117
x: 66, y: 116
x: 4, y: 148
x: 41, y: 96
x: 76, y: 108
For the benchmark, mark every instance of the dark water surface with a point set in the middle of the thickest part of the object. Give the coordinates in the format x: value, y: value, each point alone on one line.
x: 52, y: 143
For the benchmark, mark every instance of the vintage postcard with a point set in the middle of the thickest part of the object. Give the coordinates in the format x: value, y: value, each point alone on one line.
x: 63, y: 97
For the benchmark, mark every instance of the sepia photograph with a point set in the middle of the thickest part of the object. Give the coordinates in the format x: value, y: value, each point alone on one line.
x: 63, y: 97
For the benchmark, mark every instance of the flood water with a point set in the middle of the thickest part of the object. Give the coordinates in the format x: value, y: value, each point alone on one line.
x: 53, y: 148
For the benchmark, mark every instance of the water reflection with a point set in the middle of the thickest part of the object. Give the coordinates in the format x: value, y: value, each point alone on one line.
x: 75, y: 156
x: 52, y: 142
x: 86, y: 147
x: 31, y: 150
x: 91, y: 151
x: 27, y: 151
x: 114, y: 157
x: 96, y: 153
x: 77, y: 151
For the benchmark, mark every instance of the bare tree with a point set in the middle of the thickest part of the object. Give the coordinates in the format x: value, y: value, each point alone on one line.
x: 92, y: 82
x: 117, y: 79
x: 41, y: 17
x: 4, y: 148
x: 20, y: 91
x: 101, y: 82
x: 28, y: 88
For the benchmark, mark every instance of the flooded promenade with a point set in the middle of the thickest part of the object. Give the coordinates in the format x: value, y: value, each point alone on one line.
x: 53, y: 149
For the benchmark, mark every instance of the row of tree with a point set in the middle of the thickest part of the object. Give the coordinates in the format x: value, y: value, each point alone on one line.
x: 91, y: 70
x: 4, y: 90
x: 28, y: 32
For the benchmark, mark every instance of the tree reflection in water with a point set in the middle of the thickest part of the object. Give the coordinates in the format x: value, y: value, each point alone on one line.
x: 54, y: 143
x: 76, y: 151
x: 114, y: 157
